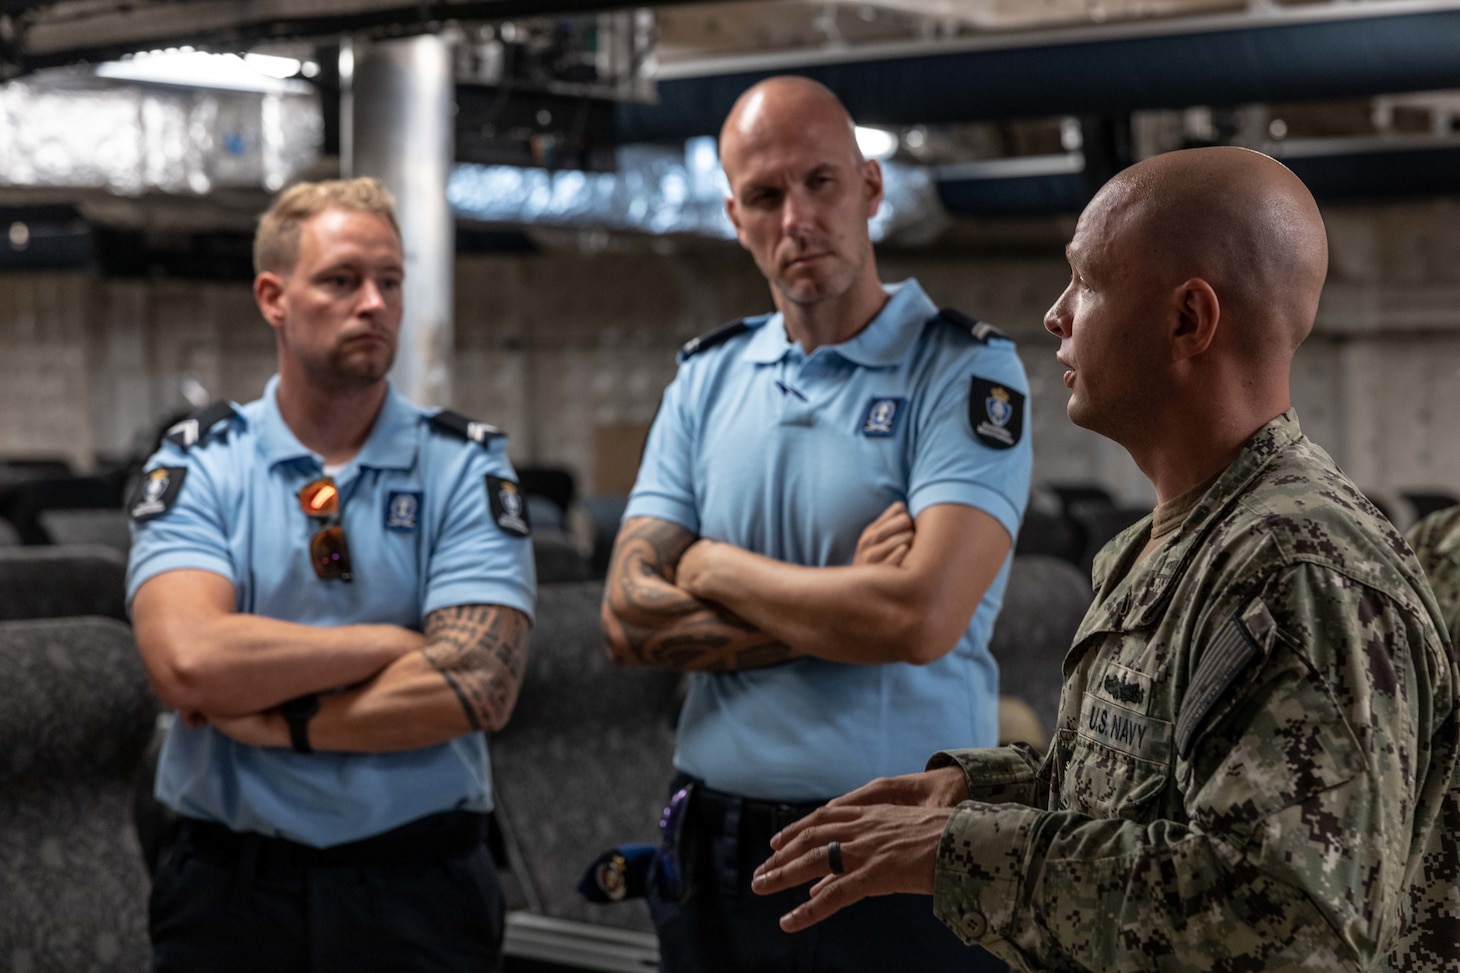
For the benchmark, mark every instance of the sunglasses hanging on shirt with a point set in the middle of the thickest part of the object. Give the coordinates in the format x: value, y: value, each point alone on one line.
x: 328, y: 550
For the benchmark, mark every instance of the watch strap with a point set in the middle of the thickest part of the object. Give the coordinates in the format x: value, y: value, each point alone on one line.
x: 297, y: 713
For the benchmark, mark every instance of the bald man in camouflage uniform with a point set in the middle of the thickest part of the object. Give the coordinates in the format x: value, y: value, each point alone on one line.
x: 1253, y: 766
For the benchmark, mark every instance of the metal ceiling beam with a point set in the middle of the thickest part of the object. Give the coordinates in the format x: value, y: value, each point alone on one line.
x: 1122, y: 68
x: 70, y: 31
x: 1335, y: 170
x: 1260, y: 14
x: 1020, y: 14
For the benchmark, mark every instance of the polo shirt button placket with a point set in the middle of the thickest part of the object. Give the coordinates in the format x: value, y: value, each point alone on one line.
x: 795, y: 400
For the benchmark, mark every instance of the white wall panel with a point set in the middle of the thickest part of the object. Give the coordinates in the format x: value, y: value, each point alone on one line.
x: 44, y: 404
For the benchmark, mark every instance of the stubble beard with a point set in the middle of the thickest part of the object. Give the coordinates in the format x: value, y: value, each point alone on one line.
x: 808, y: 292
x: 343, y: 372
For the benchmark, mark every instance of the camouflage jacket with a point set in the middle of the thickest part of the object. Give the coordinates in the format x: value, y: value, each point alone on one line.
x: 1436, y: 540
x: 1257, y: 734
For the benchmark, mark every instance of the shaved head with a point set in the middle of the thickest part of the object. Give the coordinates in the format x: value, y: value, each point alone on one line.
x: 785, y: 109
x: 1194, y: 276
x: 800, y: 197
x: 1237, y: 219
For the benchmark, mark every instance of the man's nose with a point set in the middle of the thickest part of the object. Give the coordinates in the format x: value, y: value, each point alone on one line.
x: 371, y: 298
x: 1056, y: 319
x: 797, y: 213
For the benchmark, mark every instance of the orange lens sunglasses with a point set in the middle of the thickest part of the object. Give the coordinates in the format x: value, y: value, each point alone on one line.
x: 328, y: 550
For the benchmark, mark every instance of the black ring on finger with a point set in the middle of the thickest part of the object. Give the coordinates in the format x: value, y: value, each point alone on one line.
x: 834, y: 857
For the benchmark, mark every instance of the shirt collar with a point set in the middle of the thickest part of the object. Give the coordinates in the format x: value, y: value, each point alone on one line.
x: 1163, y: 566
x: 390, y: 445
x: 882, y: 342
x: 769, y: 344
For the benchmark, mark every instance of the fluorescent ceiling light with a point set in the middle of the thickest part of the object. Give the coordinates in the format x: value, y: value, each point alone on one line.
x: 274, y: 67
x: 253, y: 72
x: 876, y: 143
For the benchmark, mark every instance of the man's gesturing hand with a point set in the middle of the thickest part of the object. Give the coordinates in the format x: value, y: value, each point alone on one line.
x: 884, y: 848
x: 944, y: 787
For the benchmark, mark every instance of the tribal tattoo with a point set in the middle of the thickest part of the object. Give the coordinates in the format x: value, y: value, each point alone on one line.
x: 664, y: 626
x: 481, y: 652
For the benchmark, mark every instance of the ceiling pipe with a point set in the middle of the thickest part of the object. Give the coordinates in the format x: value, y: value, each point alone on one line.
x: 1097, y: 73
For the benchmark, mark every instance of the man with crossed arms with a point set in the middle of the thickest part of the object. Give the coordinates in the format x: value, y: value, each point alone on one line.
x: 818, y: 660
x: 333, y: 587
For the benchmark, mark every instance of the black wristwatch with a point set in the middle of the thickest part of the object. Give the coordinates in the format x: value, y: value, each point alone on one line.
x: 297, y: 713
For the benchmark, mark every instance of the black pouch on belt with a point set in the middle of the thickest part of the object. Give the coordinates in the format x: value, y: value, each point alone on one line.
x: 677, y: 862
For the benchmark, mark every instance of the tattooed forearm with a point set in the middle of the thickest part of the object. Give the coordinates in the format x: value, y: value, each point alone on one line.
x: 649, y: 621
x: 481, y: 652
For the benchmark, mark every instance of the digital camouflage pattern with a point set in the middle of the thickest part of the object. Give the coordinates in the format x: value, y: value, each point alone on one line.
x: 1436, y: 541
x: 1257, y: 736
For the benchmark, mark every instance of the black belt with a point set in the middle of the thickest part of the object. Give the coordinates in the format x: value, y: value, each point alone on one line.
x: 451, y: 834
x: 757, y: 820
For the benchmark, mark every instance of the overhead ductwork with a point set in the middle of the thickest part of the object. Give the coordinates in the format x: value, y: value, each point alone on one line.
x: 132, y: 139
x: 662, y: 191
x: 1119, y: 68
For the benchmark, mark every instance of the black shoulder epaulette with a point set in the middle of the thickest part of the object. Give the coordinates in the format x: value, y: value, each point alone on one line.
x: 980, y: 331
x: 719, y: 336
x: 196, y: 427
x: 459, y: 425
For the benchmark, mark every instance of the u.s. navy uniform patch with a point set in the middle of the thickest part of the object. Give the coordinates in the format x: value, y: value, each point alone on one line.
x: 156, y: 493
x: 1230, y: 654
x: 996, y: 413
x: 402, y: 509
x: 509, y: 509
x: 882, y: 416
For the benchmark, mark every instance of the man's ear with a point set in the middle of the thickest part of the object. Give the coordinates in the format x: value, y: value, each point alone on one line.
x: 872, y: 180
x: 1198, y: 313
x: 734, y: 215
x: 268, y: 294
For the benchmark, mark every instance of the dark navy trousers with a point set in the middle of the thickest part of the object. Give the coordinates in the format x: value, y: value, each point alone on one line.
x: 246, y: 904
x: 723, y: 926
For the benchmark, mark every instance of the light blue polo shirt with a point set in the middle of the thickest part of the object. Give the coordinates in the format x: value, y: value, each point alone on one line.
x: 421, y: 534
x: 791, y: 455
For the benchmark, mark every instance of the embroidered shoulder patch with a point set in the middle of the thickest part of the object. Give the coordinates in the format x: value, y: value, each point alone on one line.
x: 402, y: 510
x: 996, y: 413
x: 882, y: 417
x: 155, y: 494
x: 509, y: 508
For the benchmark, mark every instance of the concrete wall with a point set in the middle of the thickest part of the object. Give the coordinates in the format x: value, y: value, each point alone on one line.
x: 554, y: 347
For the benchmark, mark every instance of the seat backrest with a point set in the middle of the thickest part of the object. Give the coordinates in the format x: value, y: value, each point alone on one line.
x: 62, y: 582
x: 23, y: 503
x: 75, y: 717
x: 1428, y: 502
x: 109, y: 528
x: 586, y: 759
x: 1044, y: 603
x: 1052, y: 534
x: 557, y: 558
x: 553, y: 482
x: 1101, y: 525
x: 605, y: 513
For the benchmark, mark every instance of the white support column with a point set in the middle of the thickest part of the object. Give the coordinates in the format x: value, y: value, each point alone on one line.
x: 402, y: 102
